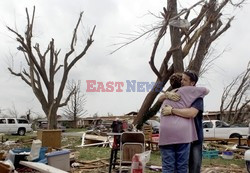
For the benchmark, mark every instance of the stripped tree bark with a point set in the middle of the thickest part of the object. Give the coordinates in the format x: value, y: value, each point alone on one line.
x: 43, y: 67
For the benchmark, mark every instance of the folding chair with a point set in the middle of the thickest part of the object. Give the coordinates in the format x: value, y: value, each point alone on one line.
x: 131, y: 143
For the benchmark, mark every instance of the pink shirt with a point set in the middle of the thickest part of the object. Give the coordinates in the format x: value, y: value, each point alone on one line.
x: 175, y: 129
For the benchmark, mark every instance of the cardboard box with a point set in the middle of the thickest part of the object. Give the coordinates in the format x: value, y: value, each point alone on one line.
x: 50, y: 138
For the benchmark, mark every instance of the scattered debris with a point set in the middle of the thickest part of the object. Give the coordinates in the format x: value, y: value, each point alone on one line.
x: 82, y: 166
x: 225, y: 169
x: 102, y: 165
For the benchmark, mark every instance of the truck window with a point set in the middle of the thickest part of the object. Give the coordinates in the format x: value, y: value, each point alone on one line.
x: 207, y: 125
x: 2, y: 121
x: 20, y: 121
x: 218, y: 124
x: 221, y: 124
x: 11, y: 121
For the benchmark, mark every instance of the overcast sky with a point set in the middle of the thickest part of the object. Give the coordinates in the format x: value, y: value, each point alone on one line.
x: 56, y: 19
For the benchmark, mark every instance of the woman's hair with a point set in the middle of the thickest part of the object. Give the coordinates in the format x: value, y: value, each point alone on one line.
x: 175, y: 80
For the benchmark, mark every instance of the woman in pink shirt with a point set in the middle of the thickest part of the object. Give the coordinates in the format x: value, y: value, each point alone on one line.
x: 176, y: 133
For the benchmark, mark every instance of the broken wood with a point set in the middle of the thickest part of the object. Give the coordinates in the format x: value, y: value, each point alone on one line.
x: 41, y: 167
x: 91, y: 161
x: 221, y: 169
x: 234, y: 140
x: 92, y: 164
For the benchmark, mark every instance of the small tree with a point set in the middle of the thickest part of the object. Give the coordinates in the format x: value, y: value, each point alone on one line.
x: 42, y: 68
x: 235, y: 100
x: 75, y: 106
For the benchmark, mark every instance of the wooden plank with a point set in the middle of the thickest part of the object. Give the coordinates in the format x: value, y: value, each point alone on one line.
x: 236, y: 140
x: 42, y: 167
x: 94, y: 144
x: 96, y: 138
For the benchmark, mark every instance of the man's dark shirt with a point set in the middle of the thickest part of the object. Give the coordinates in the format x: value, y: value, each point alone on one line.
x: 198, y: 104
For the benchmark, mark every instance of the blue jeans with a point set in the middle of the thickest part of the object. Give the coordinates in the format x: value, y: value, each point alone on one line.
x: 175, y: 158
x: 195, y: 157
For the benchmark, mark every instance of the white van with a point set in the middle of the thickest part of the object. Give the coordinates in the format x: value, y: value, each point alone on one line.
x: 15, y: 126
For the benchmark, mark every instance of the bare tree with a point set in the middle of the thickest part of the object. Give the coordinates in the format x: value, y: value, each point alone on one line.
x: 43, y: 67
x: 75, y: 106
x: 235, y: 100
x: 11, y: 112
x: 188, y: 35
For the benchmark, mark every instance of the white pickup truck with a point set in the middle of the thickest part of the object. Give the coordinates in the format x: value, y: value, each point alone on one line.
x: 220, y: 129
x: 15, y: 126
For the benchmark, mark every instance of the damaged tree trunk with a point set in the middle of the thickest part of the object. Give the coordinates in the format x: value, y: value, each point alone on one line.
x: 195, y: 39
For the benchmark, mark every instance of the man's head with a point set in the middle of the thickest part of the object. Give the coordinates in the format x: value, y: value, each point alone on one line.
x: 175, y: 80
x: 189, y: 78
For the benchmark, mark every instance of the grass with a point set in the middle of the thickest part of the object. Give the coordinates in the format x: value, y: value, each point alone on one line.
x: 155, y: 158
x: 17, y: 137
x: 71, y: 142
x: 93, y: 153
x: 75, y: 130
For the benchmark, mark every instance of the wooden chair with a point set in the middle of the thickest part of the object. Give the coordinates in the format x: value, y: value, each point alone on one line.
x: 151, y: 144
x: 147, y: 130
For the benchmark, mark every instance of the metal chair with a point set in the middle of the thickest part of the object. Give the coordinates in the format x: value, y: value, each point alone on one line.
x: 131, y: 143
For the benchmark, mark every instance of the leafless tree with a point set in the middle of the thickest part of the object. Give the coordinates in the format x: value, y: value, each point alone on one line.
x: 75, y: 107
x: 42, y: 68
x: 235, y: 100
x: 11, y: 112
x: 189, y: 35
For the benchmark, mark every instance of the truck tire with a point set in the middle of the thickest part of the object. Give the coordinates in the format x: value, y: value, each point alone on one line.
x: 235, y: 135
x: 21, y: 131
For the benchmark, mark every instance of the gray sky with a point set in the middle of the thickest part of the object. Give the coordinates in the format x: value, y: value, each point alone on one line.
x: 56, y: 19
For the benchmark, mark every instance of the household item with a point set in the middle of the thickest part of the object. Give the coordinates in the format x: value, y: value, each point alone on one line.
x: 16, y: 155
x: 227, y: 155
x: 59, y: 159
x: 139, y: 162
x: 136, y: 166
x: 50, y: 138
x: 210, y: 154
x: 35, y: 150
x: 179, y: 23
